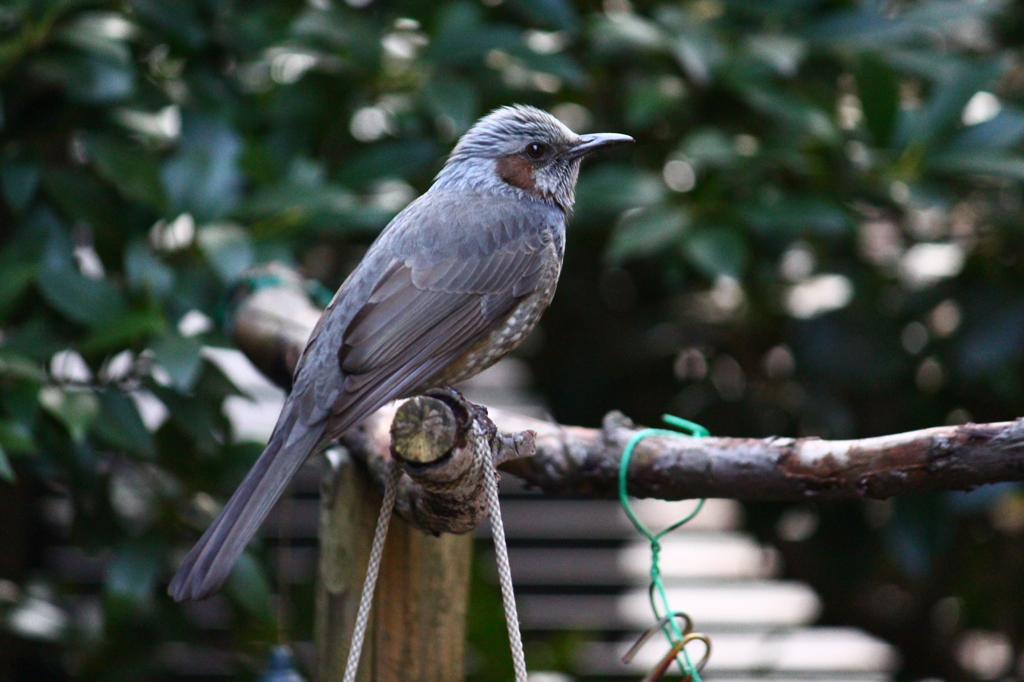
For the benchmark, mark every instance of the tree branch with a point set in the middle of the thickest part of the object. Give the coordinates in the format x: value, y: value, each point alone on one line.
x: 573, y: 461
x: 582, y: 462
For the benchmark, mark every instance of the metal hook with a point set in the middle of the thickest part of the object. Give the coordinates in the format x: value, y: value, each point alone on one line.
x: 653, y: 630
x: 666, y: 661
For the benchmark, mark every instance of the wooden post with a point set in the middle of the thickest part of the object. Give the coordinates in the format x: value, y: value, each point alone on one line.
x: 418, y: 622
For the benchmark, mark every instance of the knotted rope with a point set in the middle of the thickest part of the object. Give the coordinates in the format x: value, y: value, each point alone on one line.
x: 486, y: 466
x: 372, y: 570
x: 508, y: 597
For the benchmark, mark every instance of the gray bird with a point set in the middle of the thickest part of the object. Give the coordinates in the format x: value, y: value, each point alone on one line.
x: 452, y: 284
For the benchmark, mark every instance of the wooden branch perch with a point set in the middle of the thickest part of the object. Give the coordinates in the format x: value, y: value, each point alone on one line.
x: 583, y: 462
x: 437, y: 437
x: 573, y: 461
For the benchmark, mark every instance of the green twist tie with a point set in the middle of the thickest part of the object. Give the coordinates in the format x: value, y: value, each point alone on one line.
x: 247, y: 285
x: 657, y: 589
x: 319, y: 293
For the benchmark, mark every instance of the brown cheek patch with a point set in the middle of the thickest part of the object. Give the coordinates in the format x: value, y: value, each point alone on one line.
x: 517, y: 171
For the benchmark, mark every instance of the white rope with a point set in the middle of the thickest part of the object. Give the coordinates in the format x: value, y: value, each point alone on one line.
x: 372, y: 570
x: 515, y: 638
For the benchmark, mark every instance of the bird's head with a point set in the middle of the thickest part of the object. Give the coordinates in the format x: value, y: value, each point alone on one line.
x: 521, y: 149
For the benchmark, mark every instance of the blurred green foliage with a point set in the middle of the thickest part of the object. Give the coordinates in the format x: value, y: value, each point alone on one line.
x: 818, y: 233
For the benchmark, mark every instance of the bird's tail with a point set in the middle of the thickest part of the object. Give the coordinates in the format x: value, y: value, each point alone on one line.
x: 208, y: 564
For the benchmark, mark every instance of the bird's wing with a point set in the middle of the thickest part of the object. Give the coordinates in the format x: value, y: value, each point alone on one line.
x: 423, y: 316
x: 456, y: 266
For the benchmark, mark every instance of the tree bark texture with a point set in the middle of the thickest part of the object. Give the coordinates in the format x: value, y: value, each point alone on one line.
x: 573, y: 461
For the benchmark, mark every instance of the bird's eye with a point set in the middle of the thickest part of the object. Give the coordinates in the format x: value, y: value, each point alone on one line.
x: 535, y: 150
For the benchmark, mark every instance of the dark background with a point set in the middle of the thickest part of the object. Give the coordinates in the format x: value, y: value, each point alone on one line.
x: 818, y: 232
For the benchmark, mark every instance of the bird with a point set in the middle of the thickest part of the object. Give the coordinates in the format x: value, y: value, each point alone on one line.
x: 452, y: 284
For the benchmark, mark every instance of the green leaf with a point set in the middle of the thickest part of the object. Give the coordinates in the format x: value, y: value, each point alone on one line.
x: 131, y: 577
x: 248, y: 585
x: 130, y: 168
x: 697, y: 47
x: 925, y: 64
x: 15, y: 279
x: 180, y: 357
x: 81, y: 195
x: 90, y: 32
x: 782, y: 52
x: 16, y: 436
x: 86, y: 77
x: 6, y: 470
x: 561, y: 64
x: 196, y: 419
x: 92, y: 302
x: 993, y: 334
x: 17, y: 367
x: 76, y: 409
x: 463, y: 36
x: 388, y: 159
x: 871, y: 26
x: 343, y: 31
x: 1003, y: 132
x: 88, y: 301
x: 19, y: 181
x: 862, y: 28
x: 145, y: 271
x: 132, y: 328
x: 605, y: 192
x: 650, y: 99
x: 202, y: 177
x: 795, y: 215
x: 979, y: 163
x: 791, y: 111
x: 878, y: 88
x: 30, y: 237
x: 453, y: 98
x: 644, y: 232
x: 628, y: 34
x: 717, y: 251
x: 302, y: 198
x: 178, y: 20
x: 228, y: 249
x: 710, y: 147
x: 121, y: 426
x: 556, y: 14
x: 38, y: 338
x: 943, y: 110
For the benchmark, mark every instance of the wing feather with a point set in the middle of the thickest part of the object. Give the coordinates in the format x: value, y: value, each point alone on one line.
x: 423, y: 316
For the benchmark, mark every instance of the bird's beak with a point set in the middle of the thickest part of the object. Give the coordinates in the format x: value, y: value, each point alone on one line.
x: 591, y: 143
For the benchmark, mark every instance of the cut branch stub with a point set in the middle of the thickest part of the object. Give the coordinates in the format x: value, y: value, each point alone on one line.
x: 424, y: 430
x: 446, y: 445
x: 273, y: 319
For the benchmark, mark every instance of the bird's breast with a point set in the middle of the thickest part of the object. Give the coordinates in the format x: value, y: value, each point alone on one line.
x: 510, y: 333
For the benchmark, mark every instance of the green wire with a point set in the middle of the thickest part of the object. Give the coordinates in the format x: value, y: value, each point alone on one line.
x: 672, y: 631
